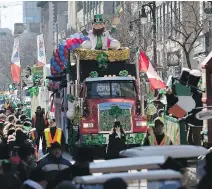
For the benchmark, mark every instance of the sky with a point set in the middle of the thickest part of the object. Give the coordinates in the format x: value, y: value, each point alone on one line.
x: 13, y: 13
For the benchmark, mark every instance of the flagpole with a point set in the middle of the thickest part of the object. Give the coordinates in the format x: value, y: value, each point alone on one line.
x: 141, y: 96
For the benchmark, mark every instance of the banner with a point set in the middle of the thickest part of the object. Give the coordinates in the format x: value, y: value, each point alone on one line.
x: 41, y: 57
x: 15, y: 62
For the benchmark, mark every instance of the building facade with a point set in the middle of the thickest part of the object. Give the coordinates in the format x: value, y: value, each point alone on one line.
x: 169, y: 17
x: 53, y: 23
x: 83, y: 12
x: 31, y: 16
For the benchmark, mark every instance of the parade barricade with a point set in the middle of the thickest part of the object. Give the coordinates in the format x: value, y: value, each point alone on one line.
x: 127, y: 164
x: 174, y: 151
x: 157, y: 178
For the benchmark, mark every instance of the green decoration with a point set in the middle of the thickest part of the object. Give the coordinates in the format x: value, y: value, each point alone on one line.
x: 106, y: 120
x: 34, y: 91
x: 102, y: 60
x: 115, y: 111
x: 70, y: 98
x: 162, y: 91
x: 151, y: 109
x: 123, y: 73
x: 94, y: 74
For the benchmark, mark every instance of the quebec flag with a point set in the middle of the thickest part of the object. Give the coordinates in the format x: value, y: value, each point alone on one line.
x: 15, y: 62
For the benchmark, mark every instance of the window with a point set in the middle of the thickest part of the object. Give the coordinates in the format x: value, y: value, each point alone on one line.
x: 111, y: 89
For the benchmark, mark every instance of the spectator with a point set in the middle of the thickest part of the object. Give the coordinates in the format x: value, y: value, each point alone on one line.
x: 115, y: 183
x: 11, y: 119
x: 30, y: 184
x: 38, y: 175
x: 55, y: 159
x: 2, y: 139
x: 39, y: 122
x: 65, y: 185
x: 116, y: 141
x: 9, y: 181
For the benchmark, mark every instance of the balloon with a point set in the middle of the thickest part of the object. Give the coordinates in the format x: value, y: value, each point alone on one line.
x: 64, y: 42
x: 57, y: 59
x: 74, y: 41
x: 57, y: 50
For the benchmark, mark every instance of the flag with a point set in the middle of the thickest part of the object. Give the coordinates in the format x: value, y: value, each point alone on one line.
x: 15, y: 62
x: 145, y: 66
x: 41, y: 57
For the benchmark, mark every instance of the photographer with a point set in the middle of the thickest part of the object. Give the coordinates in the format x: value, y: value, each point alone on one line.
x: 116, y: 141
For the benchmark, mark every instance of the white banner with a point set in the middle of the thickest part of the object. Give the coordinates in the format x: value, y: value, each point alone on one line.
x: 41, y: 50
x: 15, y: 59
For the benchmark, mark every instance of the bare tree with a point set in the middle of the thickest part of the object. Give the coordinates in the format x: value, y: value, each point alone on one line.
x: 130, y: 32
x: 185, y: 30
x: 28, y: 49
x: 6, y: 47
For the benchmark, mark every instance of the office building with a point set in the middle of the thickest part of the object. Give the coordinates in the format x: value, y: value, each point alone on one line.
x: 31, y: 16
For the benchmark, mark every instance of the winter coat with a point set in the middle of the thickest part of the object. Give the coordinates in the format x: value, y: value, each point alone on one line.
x: 116, y: 144
x: 51, y: 165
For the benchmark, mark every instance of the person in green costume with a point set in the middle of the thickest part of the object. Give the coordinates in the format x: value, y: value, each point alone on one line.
x: 99, y: 36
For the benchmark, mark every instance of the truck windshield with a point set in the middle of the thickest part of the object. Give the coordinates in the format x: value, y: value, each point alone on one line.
x: 111, y: 89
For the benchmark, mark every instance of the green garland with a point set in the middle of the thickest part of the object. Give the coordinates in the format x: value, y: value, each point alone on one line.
x: 70, y: 98
x: 115, y: 111
x: 93, y: 74
x: 123, y: 73
x: 34, y: 91
x: 102, y: 60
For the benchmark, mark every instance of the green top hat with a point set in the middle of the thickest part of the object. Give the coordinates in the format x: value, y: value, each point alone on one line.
x: 98, y: 18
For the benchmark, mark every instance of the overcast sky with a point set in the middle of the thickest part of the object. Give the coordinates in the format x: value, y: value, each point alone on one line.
x: 12, y: 14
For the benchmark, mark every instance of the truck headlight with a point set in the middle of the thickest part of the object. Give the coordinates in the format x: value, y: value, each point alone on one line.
x: 88, y: 125
x: 141, y: 123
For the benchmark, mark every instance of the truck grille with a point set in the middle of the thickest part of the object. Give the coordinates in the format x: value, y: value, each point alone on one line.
x: 106, y: 121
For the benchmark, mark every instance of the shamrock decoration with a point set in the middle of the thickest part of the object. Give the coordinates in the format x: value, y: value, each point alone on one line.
x: 129, y: 139
x: 123, y: 73
x: 94, y: 74
x: 139, y: 137
x: 34, y: 91
x: 70, y: 98
x: 102, y: 60
x: 115, y: 111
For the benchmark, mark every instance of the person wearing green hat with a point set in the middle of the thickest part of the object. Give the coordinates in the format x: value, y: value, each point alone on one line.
x: 99, y: 36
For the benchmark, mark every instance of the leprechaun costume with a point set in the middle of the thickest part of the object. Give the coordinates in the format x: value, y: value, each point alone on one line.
x: 99, y: 37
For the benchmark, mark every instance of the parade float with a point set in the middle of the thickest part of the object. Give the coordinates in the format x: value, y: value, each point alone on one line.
x: 97, y: 85
x: 103, y: 88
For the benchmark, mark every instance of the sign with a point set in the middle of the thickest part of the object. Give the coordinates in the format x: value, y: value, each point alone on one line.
x: 103, y: 89
x: 41, y: 50
x: 204, y: 115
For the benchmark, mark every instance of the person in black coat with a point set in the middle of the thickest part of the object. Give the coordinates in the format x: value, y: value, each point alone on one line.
x: 116, y: 141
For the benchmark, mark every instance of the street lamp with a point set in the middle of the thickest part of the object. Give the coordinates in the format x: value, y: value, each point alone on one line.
x: 143, y: 16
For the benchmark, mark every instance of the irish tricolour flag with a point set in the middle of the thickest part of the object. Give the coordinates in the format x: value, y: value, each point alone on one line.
x: 15, y: 62
x: 145, y: 66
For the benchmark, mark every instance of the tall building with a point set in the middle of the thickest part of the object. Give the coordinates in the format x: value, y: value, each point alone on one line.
x: 31, y: 16
x: 84, y: 11
x: 53, y: 23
